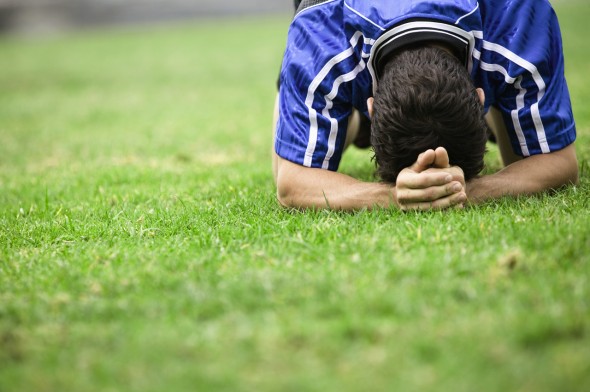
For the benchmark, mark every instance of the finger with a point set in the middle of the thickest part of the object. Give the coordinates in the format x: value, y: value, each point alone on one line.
x: 454, y: 171
x: 454, y: 201
x: 405, y: 196
x: 441, y: 158
x: 424, y: 161
x: 457, y: 173
x: 409, y: 179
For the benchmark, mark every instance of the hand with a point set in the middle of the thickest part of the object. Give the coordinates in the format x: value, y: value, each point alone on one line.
x: 441, y: 164
x: 431, y: 183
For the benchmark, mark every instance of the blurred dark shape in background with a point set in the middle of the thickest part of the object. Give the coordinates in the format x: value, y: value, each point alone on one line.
x: 43, y: 16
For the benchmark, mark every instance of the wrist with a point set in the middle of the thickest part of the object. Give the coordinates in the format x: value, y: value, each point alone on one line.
x: 478, y: 189
x: 387, y: 195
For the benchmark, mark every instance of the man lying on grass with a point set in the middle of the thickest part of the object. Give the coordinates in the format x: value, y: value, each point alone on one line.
x: 434, y: 77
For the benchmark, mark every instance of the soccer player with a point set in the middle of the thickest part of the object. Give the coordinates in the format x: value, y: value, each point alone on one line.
x: 425, y: 73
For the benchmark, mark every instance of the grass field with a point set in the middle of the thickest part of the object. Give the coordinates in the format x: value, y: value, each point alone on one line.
x: 142, y: 248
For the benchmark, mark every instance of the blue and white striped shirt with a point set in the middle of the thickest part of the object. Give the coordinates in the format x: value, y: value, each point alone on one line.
x: 515, y: 55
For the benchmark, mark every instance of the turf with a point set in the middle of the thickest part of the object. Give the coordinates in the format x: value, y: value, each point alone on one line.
x: 142, y: 247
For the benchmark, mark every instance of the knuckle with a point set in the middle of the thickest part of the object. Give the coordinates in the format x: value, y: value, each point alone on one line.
x: 453, y: 187
x: 429, y: 194
x: 404, y: 196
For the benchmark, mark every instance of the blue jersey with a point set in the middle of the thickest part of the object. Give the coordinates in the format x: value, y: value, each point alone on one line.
x: 513, y: 51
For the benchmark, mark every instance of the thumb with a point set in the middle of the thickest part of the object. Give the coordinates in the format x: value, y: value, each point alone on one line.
x: 441, y: 159
x: 424, y: 161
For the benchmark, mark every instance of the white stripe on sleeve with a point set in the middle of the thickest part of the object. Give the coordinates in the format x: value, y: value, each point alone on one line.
x: 532, y: 69
x: 329, y: 103
x: 313, y: 115
x: 313, y: 120
x: 519, y: 99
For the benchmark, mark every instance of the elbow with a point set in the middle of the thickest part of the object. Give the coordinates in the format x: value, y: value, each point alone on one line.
x: 283, y: 197
x: 565, y: 167
x: 289, y: 199
x: 297, y: 186
x: 292, y: 185
x: 283, y: 186
x: 285, y: 193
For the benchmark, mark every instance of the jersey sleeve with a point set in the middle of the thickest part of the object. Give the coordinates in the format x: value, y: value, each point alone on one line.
x: 522, y: 58
x: 314, y: 94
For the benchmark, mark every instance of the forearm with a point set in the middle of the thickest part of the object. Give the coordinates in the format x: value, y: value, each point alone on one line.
x: 528, y: 176
x: 317, y: 188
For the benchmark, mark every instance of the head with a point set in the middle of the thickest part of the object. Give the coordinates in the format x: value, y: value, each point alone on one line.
x: 425, y: 99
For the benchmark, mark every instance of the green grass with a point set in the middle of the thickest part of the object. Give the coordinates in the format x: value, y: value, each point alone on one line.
x: 142, y: 248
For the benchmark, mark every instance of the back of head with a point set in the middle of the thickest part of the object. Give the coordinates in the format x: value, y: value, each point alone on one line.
x: 425, y: 99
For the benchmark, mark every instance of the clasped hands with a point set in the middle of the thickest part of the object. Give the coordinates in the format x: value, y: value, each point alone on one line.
x: 431, y: 183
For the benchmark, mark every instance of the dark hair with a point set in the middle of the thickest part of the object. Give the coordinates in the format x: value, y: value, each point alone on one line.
x: 425, y: 99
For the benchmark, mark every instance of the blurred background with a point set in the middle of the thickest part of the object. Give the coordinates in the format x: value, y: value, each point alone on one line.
x: 47, y: 16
